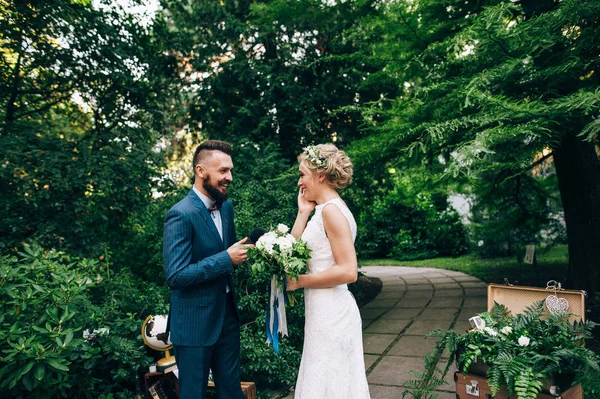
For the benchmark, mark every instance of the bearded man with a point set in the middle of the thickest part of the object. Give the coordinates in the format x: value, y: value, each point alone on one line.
x: 200, y: 253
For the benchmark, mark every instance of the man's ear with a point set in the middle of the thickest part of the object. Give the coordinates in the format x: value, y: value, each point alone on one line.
x: 200, y: 170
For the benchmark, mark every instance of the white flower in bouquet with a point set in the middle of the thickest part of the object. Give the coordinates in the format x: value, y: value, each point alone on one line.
x: 282, y: 228
x: 524, y: 341
x: 506, y: 330
x: 285, y: 244
x: 267, y: 242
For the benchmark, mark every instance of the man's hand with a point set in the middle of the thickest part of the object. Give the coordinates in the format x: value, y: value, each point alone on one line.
x: 238, y: 252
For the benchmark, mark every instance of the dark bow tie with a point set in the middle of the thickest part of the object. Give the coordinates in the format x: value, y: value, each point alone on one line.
x: 214, y: 207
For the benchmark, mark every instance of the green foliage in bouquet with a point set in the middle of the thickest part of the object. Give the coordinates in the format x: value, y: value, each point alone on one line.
x: 525, y: 350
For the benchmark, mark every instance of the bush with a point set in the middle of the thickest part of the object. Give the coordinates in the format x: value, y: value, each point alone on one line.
x: 408, y: 229
x: 50, y: 299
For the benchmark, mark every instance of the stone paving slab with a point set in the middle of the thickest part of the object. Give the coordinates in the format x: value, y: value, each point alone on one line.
x: 438, y: 314
x: 446, y: 280
x: 413, y: 303
x: 387, y: 326
x: 423, y: 294
x: 369, y: 314
x: 413, y: 345
x: 377, y: 343
x: 381, y: 303
x: 446, y: 302
x: 386, y: 392
x: 395, y: 370
x: 370, y: 360
x: 422, y: 327
x: 448, y: 293
x: 401, y: 313
x: 391, y: 295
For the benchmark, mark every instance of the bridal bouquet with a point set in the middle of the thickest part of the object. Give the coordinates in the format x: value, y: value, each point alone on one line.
x: 278, y: 254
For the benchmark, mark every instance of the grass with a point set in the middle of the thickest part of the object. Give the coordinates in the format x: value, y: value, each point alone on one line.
x: 552, y: 263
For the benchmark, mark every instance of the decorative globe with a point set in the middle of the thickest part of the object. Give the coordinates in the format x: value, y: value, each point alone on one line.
x: 155, y: 335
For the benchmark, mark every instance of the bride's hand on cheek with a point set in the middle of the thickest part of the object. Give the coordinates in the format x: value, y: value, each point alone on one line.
x: 304, y: 205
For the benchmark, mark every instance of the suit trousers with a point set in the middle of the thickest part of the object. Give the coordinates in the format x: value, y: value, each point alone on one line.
x: 223, y: 358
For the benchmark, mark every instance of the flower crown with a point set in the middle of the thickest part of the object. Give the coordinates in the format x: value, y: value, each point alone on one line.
x: 313, y: 155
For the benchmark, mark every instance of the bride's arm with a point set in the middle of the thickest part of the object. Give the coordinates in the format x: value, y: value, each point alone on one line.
x: 345, y: 269
x: 305, y: 207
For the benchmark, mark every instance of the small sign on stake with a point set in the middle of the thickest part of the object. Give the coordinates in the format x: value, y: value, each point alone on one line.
x: 530, y: 255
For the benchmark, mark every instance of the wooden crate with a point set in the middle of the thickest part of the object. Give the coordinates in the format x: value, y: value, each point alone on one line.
x: 517, y: 298
x: 472, y: 386
x: 248, y: 388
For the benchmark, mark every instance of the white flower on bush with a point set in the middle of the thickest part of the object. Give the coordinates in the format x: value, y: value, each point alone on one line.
x: 90, y: 336
x: 282, y: 228
x: 490, y: 331
x: 524, y: 341
x: 506, y: 330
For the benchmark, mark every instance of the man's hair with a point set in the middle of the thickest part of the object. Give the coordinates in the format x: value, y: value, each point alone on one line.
x: 207, y: 147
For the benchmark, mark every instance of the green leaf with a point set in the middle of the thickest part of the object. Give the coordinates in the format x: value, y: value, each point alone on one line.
x: 57, y: 365
x: 40, y: 371
x: 69, y: 338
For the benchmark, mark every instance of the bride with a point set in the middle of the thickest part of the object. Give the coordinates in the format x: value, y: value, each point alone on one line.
x: 332, y: 363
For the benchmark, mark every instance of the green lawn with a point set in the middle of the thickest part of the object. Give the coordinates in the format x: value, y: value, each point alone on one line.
x: 551, y: 265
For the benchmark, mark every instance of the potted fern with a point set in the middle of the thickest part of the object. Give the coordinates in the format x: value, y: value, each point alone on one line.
x: 525, y: 353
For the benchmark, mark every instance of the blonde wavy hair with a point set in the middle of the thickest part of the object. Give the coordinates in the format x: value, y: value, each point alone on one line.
x: 328, y: 160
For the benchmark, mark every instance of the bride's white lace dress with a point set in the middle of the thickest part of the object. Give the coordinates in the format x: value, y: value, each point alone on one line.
x: 332, y: 365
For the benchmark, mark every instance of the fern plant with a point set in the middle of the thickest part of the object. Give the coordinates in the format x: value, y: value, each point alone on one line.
x: 524, y: 351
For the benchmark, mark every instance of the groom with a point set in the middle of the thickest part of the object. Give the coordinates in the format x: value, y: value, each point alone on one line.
x: 200, y: 253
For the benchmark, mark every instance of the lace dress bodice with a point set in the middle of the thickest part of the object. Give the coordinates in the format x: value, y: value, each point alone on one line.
x: 315, y: 237
x: 332, y: 365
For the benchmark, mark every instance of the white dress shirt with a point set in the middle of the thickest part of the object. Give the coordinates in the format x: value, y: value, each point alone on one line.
x: 216, y: 214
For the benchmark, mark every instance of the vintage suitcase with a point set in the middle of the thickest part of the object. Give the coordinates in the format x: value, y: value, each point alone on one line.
x: 517, y: 298
x: 471, y: 386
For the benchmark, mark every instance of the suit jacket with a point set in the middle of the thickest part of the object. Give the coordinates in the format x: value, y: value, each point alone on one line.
x: 198, y: 270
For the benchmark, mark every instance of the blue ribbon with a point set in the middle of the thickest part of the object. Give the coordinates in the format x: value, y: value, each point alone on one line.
x: 273, y: 336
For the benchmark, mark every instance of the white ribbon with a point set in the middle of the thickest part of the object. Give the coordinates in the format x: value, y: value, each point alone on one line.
x: 277, y: 292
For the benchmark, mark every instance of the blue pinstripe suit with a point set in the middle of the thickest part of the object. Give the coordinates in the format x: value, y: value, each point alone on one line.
x: 204, y: 321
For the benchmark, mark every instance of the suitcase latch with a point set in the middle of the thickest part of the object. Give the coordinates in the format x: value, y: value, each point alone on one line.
x: 473, y: 389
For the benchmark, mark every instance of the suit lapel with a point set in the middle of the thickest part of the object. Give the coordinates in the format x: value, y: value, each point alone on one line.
x: 203, y: 212
x: 225, y: 217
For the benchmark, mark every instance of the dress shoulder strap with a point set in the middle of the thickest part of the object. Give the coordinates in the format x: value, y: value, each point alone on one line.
x: 345, y: 211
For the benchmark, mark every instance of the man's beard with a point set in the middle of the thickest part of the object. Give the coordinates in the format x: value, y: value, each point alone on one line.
x: 214, y: 192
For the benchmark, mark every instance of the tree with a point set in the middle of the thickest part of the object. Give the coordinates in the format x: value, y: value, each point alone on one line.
x: 491, y: 85
x: 79, y: 122
x: 271, y: 72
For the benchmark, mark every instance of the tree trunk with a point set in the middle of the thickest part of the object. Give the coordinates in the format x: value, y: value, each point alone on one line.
x: 578, y: 172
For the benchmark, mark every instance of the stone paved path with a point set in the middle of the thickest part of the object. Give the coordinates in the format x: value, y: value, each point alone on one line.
x: 412, y: 302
